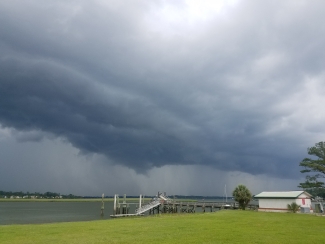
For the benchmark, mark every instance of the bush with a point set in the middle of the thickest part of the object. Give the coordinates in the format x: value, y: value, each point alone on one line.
x: 293, y: 207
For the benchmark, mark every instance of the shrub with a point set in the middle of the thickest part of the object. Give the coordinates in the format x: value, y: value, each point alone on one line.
x: 293, y: 207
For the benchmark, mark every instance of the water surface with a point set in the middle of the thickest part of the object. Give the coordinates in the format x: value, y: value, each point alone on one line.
x: 49, y: 212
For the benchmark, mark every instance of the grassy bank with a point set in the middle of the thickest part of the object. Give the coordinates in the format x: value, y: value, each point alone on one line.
x: 218, y: 227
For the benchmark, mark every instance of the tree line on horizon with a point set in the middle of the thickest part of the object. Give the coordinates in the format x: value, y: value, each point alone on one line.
x: 48, y: 194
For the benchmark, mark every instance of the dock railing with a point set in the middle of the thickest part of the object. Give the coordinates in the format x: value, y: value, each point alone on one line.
x: 152, y: 204
x: 159, y: 199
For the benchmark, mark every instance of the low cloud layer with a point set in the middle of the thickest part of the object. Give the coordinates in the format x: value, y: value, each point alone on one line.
x: 233, y: 86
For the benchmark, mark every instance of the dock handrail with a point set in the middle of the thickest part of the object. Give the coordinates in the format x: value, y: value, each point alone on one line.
x: 165, y: 198
x: 153, y: 203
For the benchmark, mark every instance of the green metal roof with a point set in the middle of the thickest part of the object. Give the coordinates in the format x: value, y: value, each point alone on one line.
x: 281, y: 194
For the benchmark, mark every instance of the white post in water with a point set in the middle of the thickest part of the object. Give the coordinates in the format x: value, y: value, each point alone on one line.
x: 102, y: 208
x: 115, y: 204
x: 140, y: 201
x: 226, y: 193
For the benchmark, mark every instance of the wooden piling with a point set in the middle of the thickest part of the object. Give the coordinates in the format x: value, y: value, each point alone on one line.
x: 102, y: 208
x: 115, y: 199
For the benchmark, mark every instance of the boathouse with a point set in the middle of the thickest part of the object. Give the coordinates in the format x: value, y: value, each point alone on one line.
x: 279, y: 200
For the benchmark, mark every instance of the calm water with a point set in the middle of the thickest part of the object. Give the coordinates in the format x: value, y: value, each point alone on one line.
x: 49, y: 212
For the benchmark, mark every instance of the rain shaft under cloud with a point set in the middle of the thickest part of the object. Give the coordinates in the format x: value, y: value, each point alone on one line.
x: 236, y: 86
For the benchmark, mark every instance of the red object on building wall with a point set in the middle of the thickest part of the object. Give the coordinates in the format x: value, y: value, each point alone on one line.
x: 303, y: 201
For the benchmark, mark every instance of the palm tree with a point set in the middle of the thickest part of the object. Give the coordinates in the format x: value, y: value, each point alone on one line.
x: 242, y: 195
x: 293, y: 207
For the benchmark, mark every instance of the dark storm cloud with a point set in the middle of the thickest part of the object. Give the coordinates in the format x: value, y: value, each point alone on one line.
x: 95, y: 119
x: 147, y: 91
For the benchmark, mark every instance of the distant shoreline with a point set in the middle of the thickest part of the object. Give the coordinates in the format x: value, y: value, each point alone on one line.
x: 109, y: 199
x: 65, y: 200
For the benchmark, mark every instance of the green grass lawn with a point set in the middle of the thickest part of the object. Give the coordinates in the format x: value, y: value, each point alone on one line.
x: 218, y: 227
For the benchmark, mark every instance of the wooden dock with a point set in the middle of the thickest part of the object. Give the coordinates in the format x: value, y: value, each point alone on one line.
x: 163, y: 204
x: 125, y: 215
x: 192, y: 207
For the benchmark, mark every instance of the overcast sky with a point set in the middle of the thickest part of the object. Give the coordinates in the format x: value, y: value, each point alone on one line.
x: 135, y: 97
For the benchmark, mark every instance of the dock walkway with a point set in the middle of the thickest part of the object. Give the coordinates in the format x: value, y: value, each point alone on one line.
x: 163, y: 204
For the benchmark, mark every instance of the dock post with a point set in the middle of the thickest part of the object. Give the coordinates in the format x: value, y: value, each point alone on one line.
x: 115, y: 203
x: 140, y: 201
x: 102, y: 208
x: 124, y: 205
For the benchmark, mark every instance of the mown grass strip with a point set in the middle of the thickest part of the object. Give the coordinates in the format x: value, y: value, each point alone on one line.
x: 219, y: 227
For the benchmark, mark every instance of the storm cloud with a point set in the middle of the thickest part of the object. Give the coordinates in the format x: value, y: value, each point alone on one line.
x: 233, y: 86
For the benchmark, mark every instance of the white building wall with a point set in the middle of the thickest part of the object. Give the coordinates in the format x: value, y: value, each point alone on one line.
x: 273, y: 204
x: 280, y: 205
x: 303, y: 195
x: 304, y: 202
